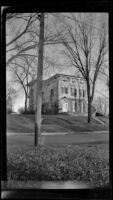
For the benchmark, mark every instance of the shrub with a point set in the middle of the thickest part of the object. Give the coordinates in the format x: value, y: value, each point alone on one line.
x: 53, y: 110
x: 99, y: 114
x: 29, y: 112
x: 9, y: 110
x: 56, y: 108
x: 46, y: 109
x: 21, y: 110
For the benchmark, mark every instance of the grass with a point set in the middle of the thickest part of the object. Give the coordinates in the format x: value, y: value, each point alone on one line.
x: 54, y: 123
x: 85, y: 163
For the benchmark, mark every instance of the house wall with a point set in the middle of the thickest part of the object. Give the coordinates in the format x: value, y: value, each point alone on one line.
x: 64, y: 101
x: 76, y: 104
x: 48, y: 85
x: 50, y: 95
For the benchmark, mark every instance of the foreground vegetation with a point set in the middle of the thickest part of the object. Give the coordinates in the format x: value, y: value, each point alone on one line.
x: 86, y: 163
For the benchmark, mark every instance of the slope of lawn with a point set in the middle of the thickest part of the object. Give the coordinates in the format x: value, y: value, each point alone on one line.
x: 54, y: 123
x: 88, y: 164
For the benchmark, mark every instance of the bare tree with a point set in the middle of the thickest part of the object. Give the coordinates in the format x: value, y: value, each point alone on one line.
x: 20, y: 37
x: 86, y: 47
x: 22, y: 74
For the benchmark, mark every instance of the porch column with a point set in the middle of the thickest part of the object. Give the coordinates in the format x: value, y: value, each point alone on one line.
x: 81, y: 107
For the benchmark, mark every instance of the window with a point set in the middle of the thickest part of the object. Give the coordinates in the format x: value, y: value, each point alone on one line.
x: 75, y: 106
x: 52, y: 92
x: 75, y: 92
x: 64, y: 90
x: 84, y: 93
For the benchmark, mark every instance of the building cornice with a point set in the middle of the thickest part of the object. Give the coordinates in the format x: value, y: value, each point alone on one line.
x: 55, y: 76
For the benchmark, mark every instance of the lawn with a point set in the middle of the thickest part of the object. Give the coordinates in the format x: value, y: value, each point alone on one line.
x: 54, y: 123
x: 86, y: 163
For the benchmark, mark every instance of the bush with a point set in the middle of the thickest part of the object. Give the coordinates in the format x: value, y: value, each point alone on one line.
x: 99, y: 114
x: 56, y: 108
x: 29, y: 112
x: 9, y: 110
x: 21, y: 110
x: 53, y: 110
x: 46, y: 109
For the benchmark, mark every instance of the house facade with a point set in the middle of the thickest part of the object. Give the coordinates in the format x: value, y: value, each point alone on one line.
x: 60, y: 93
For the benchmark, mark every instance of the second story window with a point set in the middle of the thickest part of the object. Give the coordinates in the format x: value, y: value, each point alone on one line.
x: 64, y: 90
x: 84, y: 93
x: 73, y: 92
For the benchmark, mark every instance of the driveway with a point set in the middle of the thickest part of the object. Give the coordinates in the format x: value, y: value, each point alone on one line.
x: 92, y: 137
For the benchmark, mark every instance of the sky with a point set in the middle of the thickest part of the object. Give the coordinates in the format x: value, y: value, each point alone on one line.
x: 52, y: 52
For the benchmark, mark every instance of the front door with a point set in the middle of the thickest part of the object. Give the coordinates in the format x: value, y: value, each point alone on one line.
x: 64, y: 106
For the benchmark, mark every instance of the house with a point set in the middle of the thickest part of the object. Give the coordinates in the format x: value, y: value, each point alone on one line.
x: 60, y: 93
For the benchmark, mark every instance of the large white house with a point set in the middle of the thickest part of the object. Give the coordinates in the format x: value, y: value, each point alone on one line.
x: 62, y: 93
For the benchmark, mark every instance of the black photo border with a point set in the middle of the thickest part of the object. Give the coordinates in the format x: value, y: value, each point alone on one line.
x: 51, y: 6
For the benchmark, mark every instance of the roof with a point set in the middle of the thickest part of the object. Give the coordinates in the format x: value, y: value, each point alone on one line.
x: 53, y: 77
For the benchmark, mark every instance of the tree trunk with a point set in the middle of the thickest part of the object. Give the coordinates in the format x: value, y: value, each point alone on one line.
x: 25, y: 104
x: 89, y: 110
x: 89, y: 102
x: 39, y: 84
x: 37, y: 140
